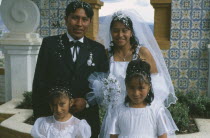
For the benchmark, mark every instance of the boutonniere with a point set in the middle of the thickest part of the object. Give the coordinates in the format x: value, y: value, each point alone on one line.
x: 90, y: 60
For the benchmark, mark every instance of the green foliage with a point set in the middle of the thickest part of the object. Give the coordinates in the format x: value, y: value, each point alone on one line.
x: 27, y: 101
x: 199, y: 105
x: 180, y: 113
x: 188, y: 106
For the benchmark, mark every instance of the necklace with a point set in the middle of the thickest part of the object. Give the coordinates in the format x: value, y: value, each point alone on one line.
x: 123, y: 58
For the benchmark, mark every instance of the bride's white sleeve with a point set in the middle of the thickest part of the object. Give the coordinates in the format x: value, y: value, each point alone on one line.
x: 165, y: 123
x: 84, y: 130
x: 114, y: 124
x: 38, y: 130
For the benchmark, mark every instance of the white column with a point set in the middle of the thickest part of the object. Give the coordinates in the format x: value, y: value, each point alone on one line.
x: 20, y: 61
x: 20, y: 46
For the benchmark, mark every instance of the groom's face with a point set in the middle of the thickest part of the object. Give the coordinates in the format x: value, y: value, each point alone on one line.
x: 77, y: 23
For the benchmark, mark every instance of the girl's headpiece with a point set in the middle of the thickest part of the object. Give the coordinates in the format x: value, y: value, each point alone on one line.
x: 138, y: 67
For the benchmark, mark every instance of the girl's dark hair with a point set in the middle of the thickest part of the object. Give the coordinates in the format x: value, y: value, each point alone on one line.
x: 120, y: 17
x: 57, y: 92
x: 74, y: 5
x: 140, y: 70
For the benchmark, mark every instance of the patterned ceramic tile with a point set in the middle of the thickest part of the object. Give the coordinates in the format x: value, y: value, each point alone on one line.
x: 174, y: 54
x: 196, y: 4
x: 194, y: 64
x: 194, y: 44
x: 183, y: 63
x: 193, y: 84
x: 206, y: 4
x: 205, y: 34
x: 183, y: 73
x: 176, y: 14
x: 174, y: 44
x: 203, y: 84
x: 196, y: 25
x: 193, y: 73
x: 165, y: 53
x: 204, y: 54
x: 185, y: 34
x: 174, y: 73
x: 196, y: 14
x: 184, y: 44
x: 194, y: 54
x: 184, y: 54
x: 186, y: 14
x: 206, y: 14
x: 176, y: 4
x: 203, y: 73
x: 186, y: 4
x: 175, y: 24
x: 174, y: 63
x: 195, y: 34
x: 175, y: 34
x: 185, y: 24
x: 183, y: 83
x: 203, y: 64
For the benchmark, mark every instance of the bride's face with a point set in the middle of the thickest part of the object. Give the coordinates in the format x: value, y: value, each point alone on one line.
x: 121, y: 34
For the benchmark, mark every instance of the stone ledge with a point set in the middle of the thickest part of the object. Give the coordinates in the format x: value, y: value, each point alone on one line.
x: 16, y: 121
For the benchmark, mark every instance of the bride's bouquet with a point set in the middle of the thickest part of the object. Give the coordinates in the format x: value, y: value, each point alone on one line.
x: 106, y: 89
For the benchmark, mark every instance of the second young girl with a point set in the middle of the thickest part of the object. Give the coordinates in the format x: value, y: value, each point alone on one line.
x: 141, y: 116
x: 62, y: 124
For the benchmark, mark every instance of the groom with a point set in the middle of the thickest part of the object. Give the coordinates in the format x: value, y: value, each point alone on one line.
x: 68, y: 60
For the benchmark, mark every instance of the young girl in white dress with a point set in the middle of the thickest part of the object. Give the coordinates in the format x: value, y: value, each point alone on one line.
x: 141, y: 116
x: 62, y: 124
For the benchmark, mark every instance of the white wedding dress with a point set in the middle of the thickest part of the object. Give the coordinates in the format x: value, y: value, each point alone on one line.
x: 161, y: 82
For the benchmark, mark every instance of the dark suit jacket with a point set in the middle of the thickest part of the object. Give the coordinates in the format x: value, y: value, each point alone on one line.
x: 55, y: 64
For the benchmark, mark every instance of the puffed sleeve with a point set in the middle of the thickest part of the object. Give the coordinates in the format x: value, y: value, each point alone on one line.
x: 114, y: 124
x: 38, y: 130
x: 165, y: 123
x: 84, y: 130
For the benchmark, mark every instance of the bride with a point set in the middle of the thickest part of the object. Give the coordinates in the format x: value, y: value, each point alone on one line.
x: 127, y: 37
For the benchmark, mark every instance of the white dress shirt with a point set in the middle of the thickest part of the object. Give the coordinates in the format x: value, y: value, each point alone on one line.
x: 72, y: 39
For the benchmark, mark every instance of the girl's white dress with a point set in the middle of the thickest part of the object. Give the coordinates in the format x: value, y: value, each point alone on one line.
x: 48, y: 127
x: 150, y: 122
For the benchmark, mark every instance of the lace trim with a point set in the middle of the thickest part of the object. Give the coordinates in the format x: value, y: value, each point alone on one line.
x: 61, y: 128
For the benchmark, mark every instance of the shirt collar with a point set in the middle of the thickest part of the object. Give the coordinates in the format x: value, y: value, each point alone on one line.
x: 72, y: 39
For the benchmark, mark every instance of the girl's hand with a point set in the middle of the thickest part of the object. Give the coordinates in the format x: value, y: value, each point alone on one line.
x: 78, y: 105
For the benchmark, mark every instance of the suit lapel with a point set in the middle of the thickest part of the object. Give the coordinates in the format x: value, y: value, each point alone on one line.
x: 84, y: 53
x: 67, y: 53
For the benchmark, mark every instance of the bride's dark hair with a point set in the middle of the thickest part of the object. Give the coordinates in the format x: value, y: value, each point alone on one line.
x: 139, y: 70
x: 120, y: 17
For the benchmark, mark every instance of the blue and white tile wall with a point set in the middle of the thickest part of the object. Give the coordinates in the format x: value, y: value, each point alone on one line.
x: 188, y: 55
x: 52, y: 16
